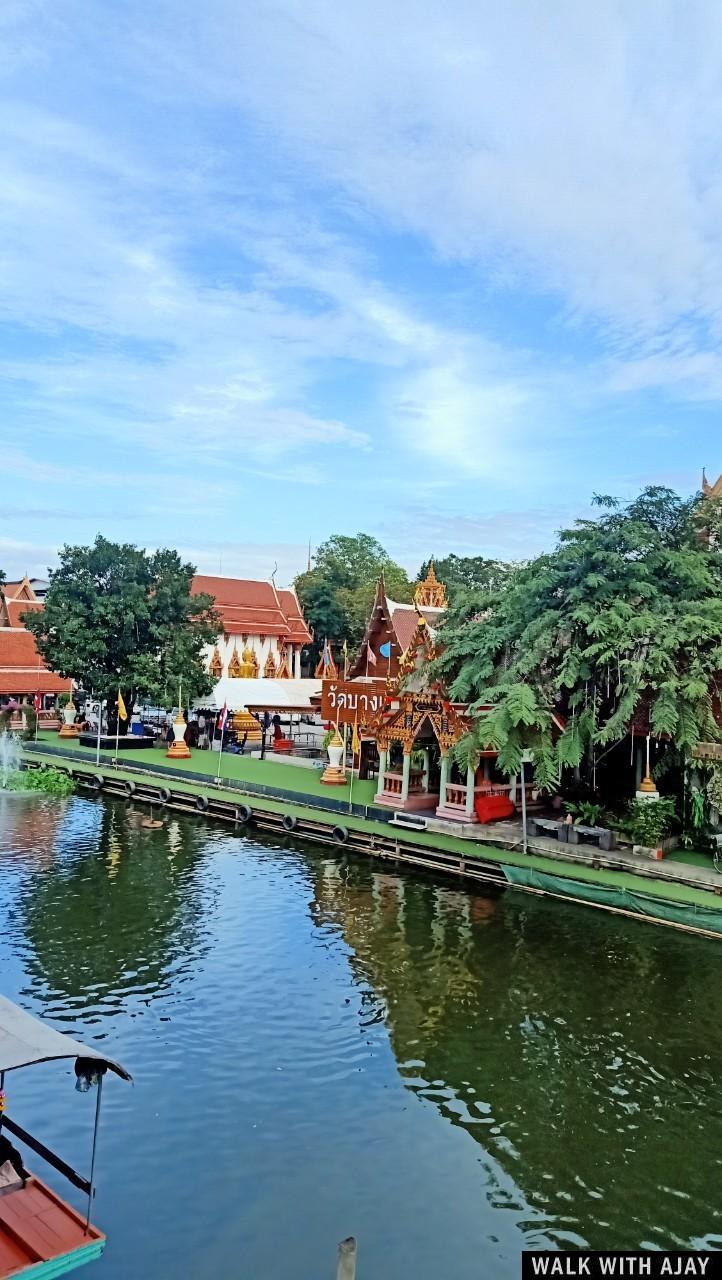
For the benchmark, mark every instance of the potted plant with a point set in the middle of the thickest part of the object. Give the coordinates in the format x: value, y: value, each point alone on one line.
x: 650, y: 825
x: 586, y: 813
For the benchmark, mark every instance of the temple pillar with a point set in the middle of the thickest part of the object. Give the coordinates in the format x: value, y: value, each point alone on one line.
x: 383, y: 759
x: 638, y: 764
x: 444, y: 778
x: 470, y: 784
x: 427, y: 768
x: 406, y: 777
x: 487, y: 769
x: 296, y: 662
x: 512, y: 787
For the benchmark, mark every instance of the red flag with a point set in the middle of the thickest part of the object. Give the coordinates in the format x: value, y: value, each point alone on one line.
x: 222, y: 718
x: 370, y: 656
x: 38, y: 703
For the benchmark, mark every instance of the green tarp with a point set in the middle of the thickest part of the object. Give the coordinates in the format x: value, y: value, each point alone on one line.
x: 622, y: 899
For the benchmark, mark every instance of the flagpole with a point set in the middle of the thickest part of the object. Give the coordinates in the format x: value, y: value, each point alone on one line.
x: 224, y: 718
x: 220, y: 752
x: 100, y: 721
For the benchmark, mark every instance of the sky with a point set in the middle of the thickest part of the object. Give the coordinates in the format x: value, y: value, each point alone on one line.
x: 271, y: 271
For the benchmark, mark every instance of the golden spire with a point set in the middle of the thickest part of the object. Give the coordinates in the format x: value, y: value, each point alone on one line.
x: 430, y: 594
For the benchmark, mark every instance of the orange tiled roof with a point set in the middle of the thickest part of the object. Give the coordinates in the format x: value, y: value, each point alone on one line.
x: 16, y: 609
x: 299, y: 632
x: 248, y: 607
x: 21, y: 667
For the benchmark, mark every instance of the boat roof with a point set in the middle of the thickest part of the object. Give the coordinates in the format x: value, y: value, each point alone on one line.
x: 25, y: 1040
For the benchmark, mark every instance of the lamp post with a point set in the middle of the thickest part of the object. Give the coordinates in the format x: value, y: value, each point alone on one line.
x: 526, y: 758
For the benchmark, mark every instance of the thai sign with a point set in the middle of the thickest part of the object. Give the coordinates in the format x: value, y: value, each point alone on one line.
x: 345, y: 701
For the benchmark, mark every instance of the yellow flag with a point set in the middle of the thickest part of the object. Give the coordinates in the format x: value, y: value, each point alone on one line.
x: 121, y: 707
x: 355, y: 740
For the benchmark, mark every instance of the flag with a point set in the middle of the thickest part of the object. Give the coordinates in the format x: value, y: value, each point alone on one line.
x: 222, y: 718
x: 371, y: 656
x: 385, y: 649
x: 38, y: 703
x: 355, y: 740
x: 121, y: 707
x: 326, y: 655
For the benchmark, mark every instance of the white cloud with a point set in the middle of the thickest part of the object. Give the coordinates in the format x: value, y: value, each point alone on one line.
x: 576, y: 147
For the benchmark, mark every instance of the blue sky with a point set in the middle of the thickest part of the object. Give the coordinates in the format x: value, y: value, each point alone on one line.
x: 272, y: 271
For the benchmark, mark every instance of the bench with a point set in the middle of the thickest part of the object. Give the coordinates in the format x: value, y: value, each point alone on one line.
x: 601, y: 836
x: 413, y: 820
x: 556, y: 829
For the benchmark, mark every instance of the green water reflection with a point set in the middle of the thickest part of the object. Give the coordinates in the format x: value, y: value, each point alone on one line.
x: 321, y: 1046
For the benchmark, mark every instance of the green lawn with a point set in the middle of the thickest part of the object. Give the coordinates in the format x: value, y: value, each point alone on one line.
x: 266, y: 773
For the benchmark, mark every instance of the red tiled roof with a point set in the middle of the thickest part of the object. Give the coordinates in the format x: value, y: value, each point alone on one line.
x: 21, y: 668
x: 404, y: 623
x: 299, y: 632
x: 16, y: 608
x: 247, y: 607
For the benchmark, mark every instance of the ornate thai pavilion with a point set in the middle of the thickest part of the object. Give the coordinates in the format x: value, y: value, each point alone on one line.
x: 415, y: 733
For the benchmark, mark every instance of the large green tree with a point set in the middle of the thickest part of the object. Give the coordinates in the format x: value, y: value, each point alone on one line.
x: 117, y: 617
x: 338, y: 591
x: 625, y: 611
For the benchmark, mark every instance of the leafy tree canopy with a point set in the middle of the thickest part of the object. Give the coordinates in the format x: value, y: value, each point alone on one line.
x: 626, y: 610
x: 337, y: 593
x: 117, y: 617
x: 466, y: 573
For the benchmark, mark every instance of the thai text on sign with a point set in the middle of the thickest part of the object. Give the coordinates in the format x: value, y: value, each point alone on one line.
x: 345, y: 701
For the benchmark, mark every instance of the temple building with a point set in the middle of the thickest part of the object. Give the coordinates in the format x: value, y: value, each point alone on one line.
x: 264, y: 630
x: 711, y: 490
x: 22, y: 670
x: 256, y: 658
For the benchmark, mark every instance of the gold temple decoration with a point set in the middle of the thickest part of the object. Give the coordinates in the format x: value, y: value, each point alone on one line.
x: 249, y: 664
x: 215, y: 667
x: 246, y: 725
x: 284, y: 670
x: 269, y: 670
x: 430, y: 594
x: 234, y: 666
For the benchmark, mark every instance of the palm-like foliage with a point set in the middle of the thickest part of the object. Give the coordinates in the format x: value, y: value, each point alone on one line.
x: 627, y: 608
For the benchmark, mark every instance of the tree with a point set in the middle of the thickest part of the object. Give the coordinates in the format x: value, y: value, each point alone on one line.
x: 466, y: 573
x: 625, y: 612
x: 337, y: 593
x: 117, y: 617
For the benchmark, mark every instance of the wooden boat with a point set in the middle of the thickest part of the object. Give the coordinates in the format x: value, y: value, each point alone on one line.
x: 41, y: 1236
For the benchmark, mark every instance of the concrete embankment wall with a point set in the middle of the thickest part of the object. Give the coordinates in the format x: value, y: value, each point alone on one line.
x: 669, y: 903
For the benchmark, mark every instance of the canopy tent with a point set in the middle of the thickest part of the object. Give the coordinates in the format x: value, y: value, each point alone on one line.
x: 25, y: 1040
x: 261, y: 694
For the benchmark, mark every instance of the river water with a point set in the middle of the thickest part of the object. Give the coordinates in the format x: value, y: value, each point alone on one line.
x: 322, y: 1046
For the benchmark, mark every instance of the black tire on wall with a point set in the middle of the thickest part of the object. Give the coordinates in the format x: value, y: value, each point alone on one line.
x: 129, y: 787
x: 201, y: 803
x: 340, y: 834
x: 290, y: 822
x: 164, y: 795
x: 244, y: 813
